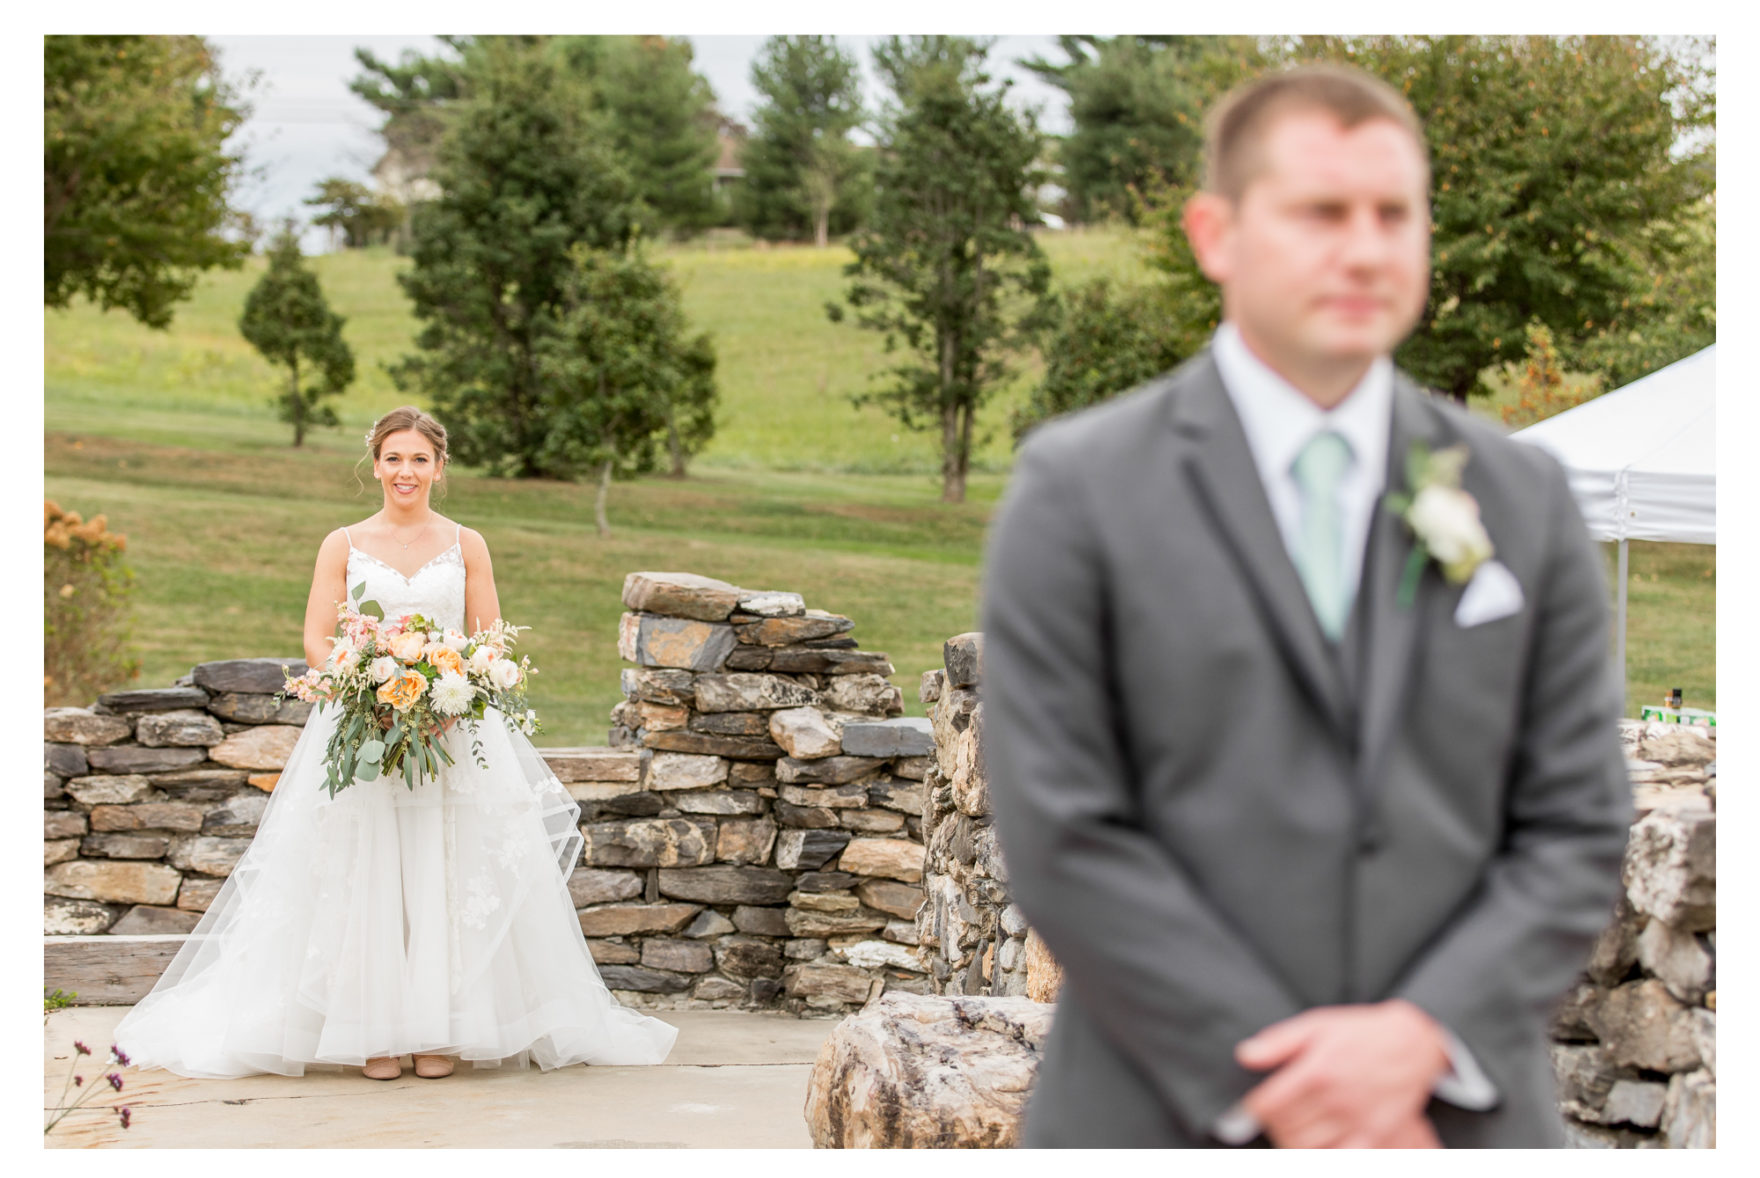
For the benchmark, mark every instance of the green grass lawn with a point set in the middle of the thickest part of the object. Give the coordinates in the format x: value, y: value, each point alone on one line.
x: 171, y: 434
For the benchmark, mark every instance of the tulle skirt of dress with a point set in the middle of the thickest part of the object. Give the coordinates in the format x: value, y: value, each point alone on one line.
x: 387, y: 921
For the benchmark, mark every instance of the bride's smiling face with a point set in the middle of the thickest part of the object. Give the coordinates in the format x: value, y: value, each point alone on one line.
x: 406, y: 468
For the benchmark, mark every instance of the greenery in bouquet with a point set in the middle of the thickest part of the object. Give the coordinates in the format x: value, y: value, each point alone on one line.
x: 400, y: 684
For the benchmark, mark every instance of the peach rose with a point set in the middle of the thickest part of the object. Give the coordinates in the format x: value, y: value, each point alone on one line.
x: 408, y: 645
x: 446, y: 659
x: 402, y: 689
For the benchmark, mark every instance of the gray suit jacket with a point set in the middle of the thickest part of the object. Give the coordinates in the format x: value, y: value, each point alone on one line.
x: 1216, y: 819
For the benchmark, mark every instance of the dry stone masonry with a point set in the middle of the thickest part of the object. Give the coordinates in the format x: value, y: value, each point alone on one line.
x: 1634, y: 1042
x: 752, y: 834
x: 150, y: 797
x: 763, y: 844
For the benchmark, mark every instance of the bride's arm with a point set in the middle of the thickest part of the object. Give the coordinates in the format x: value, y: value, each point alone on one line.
x: 329, y: 589
x: 481, y: 605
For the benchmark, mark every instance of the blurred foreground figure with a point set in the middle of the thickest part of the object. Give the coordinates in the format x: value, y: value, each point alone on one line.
x: 1301, y: 722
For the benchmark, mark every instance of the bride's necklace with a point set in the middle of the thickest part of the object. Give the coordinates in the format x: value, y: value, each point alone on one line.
x: 420, y: 532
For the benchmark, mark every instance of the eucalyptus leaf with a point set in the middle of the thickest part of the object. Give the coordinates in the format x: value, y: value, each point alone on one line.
x: 372, y: 751
x: 371, y: 609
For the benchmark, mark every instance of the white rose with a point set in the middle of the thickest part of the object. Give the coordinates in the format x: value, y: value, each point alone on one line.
x: 1447, y: 520
x: 504, y: 674
x: 481, y: 658
x: 342, y: 653
x: 456, y: 640
x: 383, y: 668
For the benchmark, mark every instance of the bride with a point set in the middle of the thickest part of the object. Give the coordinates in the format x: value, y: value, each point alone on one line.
x: 434, y: 922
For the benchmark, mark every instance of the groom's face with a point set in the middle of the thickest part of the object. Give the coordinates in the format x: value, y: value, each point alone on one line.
x: 1323, y: 259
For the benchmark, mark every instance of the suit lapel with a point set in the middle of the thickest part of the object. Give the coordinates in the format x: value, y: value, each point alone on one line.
x: 1394, y: 632
x: 1222, y: 471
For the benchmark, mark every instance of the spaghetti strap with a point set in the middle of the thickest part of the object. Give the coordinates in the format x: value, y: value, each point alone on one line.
x: 348, y: 537
x: 457, y: 532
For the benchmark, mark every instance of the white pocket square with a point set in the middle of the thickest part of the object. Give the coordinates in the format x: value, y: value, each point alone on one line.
x: 1493, y: 593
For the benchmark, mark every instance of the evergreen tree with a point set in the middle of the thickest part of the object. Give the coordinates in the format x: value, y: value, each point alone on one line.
x: 662, y: 120
x: 945, y: 267
x: 802, y: 174
x: 1136, y: 105
x: 136, y: 174
x: 620, y: 374
x: 287, y: 319
x: 524, y: 174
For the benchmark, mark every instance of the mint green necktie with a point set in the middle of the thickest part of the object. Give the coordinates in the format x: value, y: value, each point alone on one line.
x: 1319, y: 469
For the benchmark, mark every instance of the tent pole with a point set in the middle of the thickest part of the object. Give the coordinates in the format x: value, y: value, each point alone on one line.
x: 1619, y: 636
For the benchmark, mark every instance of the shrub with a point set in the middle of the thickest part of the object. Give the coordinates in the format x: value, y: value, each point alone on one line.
x: 86, y: 587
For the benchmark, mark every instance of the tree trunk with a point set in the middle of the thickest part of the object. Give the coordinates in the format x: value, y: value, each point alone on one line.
x: 674, y: 446
x: 822, y: 226
x: 296, y: 406
x: 953, y: 483
x: 599, y: 499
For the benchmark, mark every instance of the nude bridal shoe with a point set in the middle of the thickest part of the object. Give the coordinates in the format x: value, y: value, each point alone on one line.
x: 432, y: 1067
x: 383, y: 1068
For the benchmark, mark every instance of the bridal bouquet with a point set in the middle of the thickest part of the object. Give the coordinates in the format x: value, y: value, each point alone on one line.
x: 402, y: 682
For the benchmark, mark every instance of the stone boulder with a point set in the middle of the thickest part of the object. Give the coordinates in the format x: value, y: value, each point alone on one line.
x: 182, y: 728
x: 912, y: 1071
x: 681, y: 643
x: 265, y: 747
x: 1670, y: 868
x: 963, y: 656
x: 681, y: 595
x: 803, y: 733
x: 247, y: 676
x: 78, y: 726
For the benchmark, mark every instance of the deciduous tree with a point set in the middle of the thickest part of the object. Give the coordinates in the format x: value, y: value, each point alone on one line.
x: 621, y: 375
x: 363, y: 217
x: 1559, y: 169
x: 946, y: 268
x: 136, y: 174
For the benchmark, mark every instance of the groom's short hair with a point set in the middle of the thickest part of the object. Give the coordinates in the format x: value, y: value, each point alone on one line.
x: 1237, y: 126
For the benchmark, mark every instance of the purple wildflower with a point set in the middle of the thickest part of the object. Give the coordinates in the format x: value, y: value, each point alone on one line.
x: 121, y: 1055
x: 115, y: 1081
x: 81, y: 1048
x: 125, y: 1114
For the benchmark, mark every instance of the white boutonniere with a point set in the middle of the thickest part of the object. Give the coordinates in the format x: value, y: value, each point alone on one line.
x: 1443, y: 518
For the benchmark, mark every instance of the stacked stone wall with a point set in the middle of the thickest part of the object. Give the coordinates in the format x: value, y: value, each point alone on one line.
x: 150, y: 797
x: 776, y: 817
x: 752, y: 833
x: 1634, y: 1042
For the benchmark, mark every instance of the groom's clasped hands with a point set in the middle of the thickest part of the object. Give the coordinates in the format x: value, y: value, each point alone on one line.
x: 1347, y: 1077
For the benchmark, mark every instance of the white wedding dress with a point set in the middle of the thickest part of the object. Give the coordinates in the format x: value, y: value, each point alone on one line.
x: 388, y: 921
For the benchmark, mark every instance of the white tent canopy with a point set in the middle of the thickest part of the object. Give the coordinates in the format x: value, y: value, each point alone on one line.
x: 1642, y: 459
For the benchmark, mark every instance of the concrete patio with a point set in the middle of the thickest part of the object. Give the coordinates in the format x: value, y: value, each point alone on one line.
x: 734, y: 1079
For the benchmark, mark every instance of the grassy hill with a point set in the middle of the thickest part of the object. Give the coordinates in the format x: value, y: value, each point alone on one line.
x: 172, y: 435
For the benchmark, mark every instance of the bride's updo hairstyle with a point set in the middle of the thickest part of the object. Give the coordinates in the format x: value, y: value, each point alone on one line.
x: 401, y: 418
x: 407, y: 417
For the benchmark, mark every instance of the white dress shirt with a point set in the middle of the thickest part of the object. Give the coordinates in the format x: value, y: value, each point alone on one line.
x: 1279, y: 420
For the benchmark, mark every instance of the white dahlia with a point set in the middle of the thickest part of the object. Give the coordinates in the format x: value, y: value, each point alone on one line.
x: 452, y: 694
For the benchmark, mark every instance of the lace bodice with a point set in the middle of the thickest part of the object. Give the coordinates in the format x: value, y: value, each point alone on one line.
x: 436, y: 590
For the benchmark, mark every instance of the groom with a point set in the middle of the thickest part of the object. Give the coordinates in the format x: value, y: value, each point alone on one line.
x: 1319, y: 809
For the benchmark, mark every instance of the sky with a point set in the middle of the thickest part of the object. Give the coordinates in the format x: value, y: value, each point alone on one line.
x: 307, y: 125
